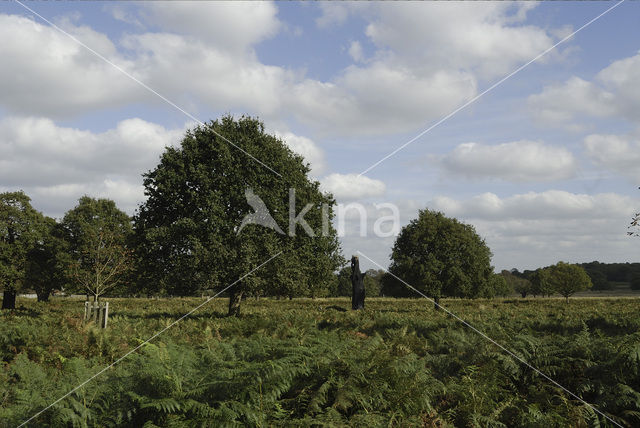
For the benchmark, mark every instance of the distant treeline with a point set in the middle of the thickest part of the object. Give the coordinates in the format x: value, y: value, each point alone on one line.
x: 603, y: 275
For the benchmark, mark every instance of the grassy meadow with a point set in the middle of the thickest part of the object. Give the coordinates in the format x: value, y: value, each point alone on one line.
x: 306, y: 362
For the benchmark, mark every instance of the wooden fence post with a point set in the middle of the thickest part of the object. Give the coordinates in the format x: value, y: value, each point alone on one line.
x: 99, y: 310
x: 105, y: 316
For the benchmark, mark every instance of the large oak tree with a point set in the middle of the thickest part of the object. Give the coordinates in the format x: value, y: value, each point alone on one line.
x: 188, y: 230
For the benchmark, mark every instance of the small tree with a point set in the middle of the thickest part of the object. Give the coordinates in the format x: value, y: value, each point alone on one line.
x: 98, y: 233
x: 21, y: 228
x: 439, y: 256
x: 568, y: 279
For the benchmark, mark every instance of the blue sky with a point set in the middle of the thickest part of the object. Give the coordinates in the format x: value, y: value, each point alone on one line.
x: 545, y: 166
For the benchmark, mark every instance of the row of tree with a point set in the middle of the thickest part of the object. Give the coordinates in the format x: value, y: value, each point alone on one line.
x: 562, y: 278
x: 87, y: 251
x: 188, y: 237
x: 185, y: 238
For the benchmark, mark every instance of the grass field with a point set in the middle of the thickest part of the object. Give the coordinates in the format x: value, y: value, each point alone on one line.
x: 313, y: 363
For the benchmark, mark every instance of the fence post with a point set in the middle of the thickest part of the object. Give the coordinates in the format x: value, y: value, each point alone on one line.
x: 99, y: 310
x: 105, y: 316
x: 86, y: 311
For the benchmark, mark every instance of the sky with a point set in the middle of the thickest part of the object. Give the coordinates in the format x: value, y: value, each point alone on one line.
x: 544, y: 163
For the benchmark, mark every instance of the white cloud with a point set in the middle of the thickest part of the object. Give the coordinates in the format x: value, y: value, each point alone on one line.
x: 61, y: 164
x: 229, y: 26
x: 45, y: 72
x: 613, y: 92
x: 516, y: 161
x: 551, y: 204
x: 485, y: 38
x: 204, y: 55
x: 427, y: 61
x: 620, y: 154
x: 558, y: 104
x: 352, y: 186
x: 378, y: 99
x: 189, y: 69
x: 307, y: 148
x: 537, y: 229
x: 355, y: 51
x: 333, y: 13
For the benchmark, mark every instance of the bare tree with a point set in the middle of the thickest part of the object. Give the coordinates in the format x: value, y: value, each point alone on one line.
x: 102, y: 264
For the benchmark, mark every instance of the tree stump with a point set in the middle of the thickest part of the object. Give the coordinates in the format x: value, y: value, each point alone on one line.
x: 357, y: 284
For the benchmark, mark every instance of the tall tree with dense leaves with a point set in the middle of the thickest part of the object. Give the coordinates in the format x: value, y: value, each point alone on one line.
x: 98, y: 234
x: 48, y: 261
x: 21, y: 228
x: 540, y: 284
x: 439, y: 256
x: 188, y: 232
x: 568, y: 279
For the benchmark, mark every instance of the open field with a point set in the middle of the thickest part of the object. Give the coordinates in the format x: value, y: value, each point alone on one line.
x: 311, y: 362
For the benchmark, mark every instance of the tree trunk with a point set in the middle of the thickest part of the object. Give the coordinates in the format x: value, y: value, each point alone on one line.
x: 234, y: 303
x: 567, y: 299
x: 9, y: 299
x: 43, y: 296
x: 436, y: 303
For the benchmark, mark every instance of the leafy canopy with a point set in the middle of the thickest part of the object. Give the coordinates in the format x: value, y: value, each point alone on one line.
x: 440, y: 257
x: 187, y: 229
x: 21, y: 228
x: 568, y: 279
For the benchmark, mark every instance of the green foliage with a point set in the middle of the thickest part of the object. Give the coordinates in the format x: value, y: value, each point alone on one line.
x: 440, y: 257
x: 540, y: 283
x: 599, y: 280
x: 567, y: 279
x: 613, y: 272
x: 498, y: 286
x: 21, y: 228
x: 521, y: 285
x: 303, y: 363
x: 187, y: 230
x: 373, y: 282
x: 48, y: 261
x: 98, y: 233
x: 342, y: 283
